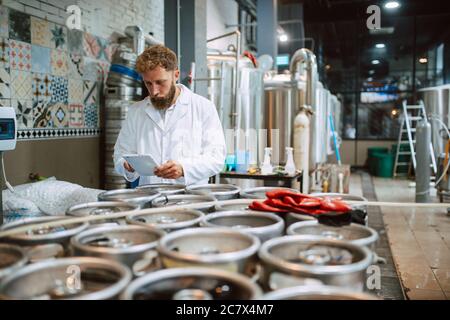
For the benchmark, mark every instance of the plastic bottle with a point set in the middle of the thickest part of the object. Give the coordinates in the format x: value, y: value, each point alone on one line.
x: 267, y: 168
x: 290, y: 165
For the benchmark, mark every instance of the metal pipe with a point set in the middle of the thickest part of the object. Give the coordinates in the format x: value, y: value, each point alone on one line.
x: 307, y: 60
x: 305, y: 57
x: 178, y: 34
x: 254, y: 24
x: 192, y: 76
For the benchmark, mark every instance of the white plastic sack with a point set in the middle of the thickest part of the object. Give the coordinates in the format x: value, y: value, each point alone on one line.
x: 54, y: 197
x: 14, y: 203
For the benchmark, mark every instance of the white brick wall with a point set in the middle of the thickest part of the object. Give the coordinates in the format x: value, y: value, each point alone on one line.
x: 104, y: 18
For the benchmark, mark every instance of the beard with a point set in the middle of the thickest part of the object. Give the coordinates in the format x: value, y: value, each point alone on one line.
x: 164, y: 102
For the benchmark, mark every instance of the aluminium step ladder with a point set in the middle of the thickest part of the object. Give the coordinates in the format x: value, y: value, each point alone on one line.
x: 412, y: 114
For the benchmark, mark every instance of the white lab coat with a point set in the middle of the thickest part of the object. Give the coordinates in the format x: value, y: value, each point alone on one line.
x: 190, y: 134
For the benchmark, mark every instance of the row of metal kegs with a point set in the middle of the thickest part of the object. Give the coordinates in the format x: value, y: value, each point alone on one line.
x: 123, y: 88
x: 175, y: 242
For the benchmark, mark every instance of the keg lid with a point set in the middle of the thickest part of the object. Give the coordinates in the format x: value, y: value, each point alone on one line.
x: 128, y: 194
x: 44, y: 233
x: 181, y: 199
x: 100, y: 208
x: 192, y: 284
x: 214, y: 189
x: 208, y: 245
x: 176, y: 219
x: 355, y: 233
x: 315, y: 255
x: 117, y: 239
x: 164, y: 188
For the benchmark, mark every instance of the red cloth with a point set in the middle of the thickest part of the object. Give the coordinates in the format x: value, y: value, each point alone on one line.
x: 283, y: 201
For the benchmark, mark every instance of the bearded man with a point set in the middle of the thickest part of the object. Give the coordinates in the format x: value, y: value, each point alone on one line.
x: 178, y: 128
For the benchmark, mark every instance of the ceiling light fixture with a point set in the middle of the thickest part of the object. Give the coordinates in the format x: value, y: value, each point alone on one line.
x: 392, y: 5
x: 423, y: 60
x: 376, y: 61
x: 380, y: 45
x: 283, y: 38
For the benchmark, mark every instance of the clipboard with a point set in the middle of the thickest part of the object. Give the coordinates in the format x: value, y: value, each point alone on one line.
x: 143, y: 164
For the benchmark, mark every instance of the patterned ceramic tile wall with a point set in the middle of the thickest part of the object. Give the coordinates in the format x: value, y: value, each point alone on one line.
x: 51, y: 76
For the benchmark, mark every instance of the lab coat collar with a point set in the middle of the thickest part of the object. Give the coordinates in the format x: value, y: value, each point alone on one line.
x: 179, y: 109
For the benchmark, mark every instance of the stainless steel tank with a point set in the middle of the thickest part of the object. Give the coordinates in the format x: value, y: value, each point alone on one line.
x: 279, y: 113
x: 247, y: 114
x: 221, y: 68
x: 437, y: 105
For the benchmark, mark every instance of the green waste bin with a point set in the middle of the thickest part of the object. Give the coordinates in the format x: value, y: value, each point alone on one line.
x: 384, y: 164
x: 371, y: 160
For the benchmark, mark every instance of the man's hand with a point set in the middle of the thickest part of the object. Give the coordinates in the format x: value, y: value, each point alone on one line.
x: 128, y: 167
x: 170, y: 170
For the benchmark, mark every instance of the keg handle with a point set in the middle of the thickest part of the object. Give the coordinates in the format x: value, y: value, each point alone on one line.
x: 102, y: 211
x: 332, y: 235
x: 377, y: 259
x: 313, y: 256
x: 258, y: 273
x: 166, y: 220
x: 150, y: 262
x: 105, y: 241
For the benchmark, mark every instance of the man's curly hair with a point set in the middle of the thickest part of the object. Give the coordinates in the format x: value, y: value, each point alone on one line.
x: 154, y: 56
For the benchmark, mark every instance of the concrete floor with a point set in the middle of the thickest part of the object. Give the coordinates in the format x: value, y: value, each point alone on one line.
x: 419, y: 240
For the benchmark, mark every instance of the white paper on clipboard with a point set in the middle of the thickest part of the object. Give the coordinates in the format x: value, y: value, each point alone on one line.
x: 143, y: 164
